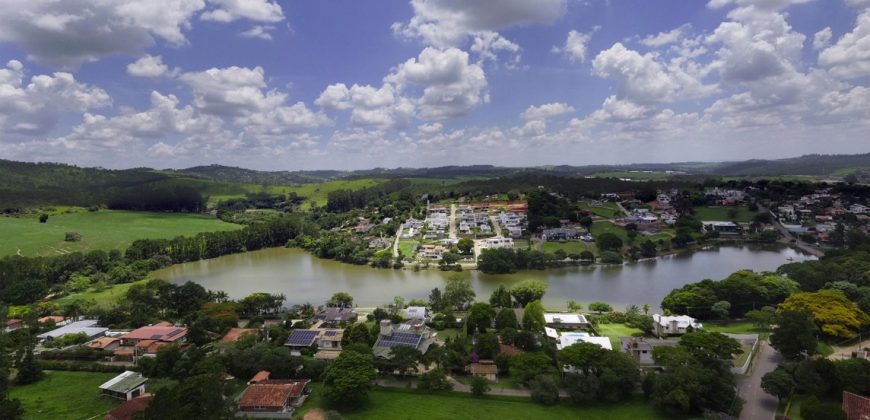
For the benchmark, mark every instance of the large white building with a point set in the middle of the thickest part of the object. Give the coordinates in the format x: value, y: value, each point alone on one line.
x: 672, y: 325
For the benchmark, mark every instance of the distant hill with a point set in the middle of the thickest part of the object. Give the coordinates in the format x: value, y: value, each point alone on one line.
x: 250, y: 176
x: 819, y: 165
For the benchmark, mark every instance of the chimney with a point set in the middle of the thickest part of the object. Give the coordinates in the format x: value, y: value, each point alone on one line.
x: 386, y: 327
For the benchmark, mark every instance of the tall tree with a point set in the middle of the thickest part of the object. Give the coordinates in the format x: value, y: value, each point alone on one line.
x: 458, y: 292
x: 347, y: 380
x: 533, y: 316
x: 501, y: 297
x: 528, y: 290
x: 795, y: 333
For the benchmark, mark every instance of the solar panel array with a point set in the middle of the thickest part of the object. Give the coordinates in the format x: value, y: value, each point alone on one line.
x: 175, y: 332
x: 156, y: 336
x: 301, y: 338
x: 330, y: 333
x: 400, y: 339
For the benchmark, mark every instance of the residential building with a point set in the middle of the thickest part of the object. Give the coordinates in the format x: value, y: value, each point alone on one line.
x: 335, y: 315
x: 86, y: 326
x: 640, y: 348
x: 277, y: 397
x: 105, y: 343
x: 559, y: 234
x: 566, y: 339
x: 856, y: 407
x: 565, y: 321
x: 127, y: 410
x: 57, y: 320
x: 125, y: 386
x: 674, y: 325
x: 723, y: 228
x: 13, y: 324
x: 417, y: 312
x: 858, y: 209
x: 163, y: 332
x: 431, y: 251
x: 485, y: 368
x: 413, y: 334
x: 324, y: 338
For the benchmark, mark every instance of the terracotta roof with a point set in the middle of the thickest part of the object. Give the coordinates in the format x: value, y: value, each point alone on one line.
x: 54, y: 318
x: 124, y: 351
x: 12, y: 322
x: 260, y: 376
x: 483, y: 369
x: 508, y: 349
x: 102, y: 342
x: 127, y: 409
x: 162, y: 331
x: 236, y: 333
x: 272, y: 393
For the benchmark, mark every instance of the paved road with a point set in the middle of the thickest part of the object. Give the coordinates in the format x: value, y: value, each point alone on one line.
x: 759, y: 405
x: 452, y: 224
x: 396, y: 243
x: 495, y: 226
x: 787, y: 236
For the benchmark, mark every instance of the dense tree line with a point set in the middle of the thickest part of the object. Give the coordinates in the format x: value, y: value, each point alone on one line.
x: 743, y: 290
x: 346, y: 200
x: 509, y: 260
x: 174, y: 198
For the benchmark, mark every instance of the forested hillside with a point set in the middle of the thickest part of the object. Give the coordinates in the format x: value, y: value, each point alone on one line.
x: 805, y: 165
x: 249, y: 176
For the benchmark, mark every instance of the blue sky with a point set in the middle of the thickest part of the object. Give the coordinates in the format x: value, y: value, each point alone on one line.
x: 356, y: 84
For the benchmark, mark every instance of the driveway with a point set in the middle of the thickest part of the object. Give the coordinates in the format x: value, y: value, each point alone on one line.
x: 759, y: 405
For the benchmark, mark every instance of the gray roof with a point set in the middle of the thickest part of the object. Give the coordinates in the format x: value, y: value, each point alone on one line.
x: 124, y: 382
x: 87, y: 326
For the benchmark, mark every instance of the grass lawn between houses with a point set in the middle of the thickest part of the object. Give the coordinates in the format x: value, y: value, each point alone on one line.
x: 614, y: 331
x: 104, y: 229
x: 388, y: 403
x: 65, y: 395
x: 608, y: 211
x: 570, y: 247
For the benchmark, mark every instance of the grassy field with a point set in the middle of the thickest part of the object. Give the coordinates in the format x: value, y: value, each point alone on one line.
x: 104, y: 229
x: 609, y: 211
x: 614, y: 331
x: 103, y: 298
x: 65, y: 395
x: 314, y: 194
x: 570, y: 247
x: 407, y: 404
x: 406, y: 247
x: 738, y: 327
x: 721, y: 213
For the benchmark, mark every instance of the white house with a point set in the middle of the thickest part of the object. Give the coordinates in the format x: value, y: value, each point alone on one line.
x: 416, y: 312
x: 567, y: 339
x: 125, y: 386
x: 680, y: 324
x: 565, y: 320
x: 858, y: 209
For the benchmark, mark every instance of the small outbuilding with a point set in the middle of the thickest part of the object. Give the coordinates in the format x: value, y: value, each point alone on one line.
x: 125, y: 386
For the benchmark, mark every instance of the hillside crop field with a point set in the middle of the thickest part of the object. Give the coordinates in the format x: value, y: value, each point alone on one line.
x: 315, y: 194
x: 104, y: 229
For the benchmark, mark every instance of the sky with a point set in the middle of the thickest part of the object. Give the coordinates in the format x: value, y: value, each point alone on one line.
x: 352, y: 84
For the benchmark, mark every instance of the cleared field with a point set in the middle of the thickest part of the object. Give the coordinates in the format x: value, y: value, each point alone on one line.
x: 736, y: 327
x: 65, y: 395
x: 104, y: 229
x: 406, y: 247
x: 635, y: 175
x: 104, y: 298
x: 721, y: 213
x: 314, y: 194
x: 608, y: 211
x: 570, y: 247
x: 409, y: 404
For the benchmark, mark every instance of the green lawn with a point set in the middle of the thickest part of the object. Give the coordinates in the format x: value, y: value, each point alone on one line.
x: 409, y: 404
x: 102, y: 299
x: 521, y: 243
x: 736, y: 327
x: 570, y: 247
x: 104, y: 229
x: 65, y: 395
x: 406, y: 246
x: 824, y: 349
x: 614, y: 331
x: 609, y: 211
x: 721, y: 213
x: 602, y: 227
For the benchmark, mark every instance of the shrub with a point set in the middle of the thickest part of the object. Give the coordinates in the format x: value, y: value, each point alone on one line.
x: 479, y: 385
x: 545, y: 390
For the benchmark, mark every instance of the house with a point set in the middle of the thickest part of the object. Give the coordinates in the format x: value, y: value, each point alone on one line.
x: 485, y: 368
x: 413, y: 334
x: 566, y: 339
x: 336, y: 315
x: 128, y: 409
x: 723, y: 228
x: 416, y: 312
x: 105, y: 343
x: 559, y: 234
x: 857, y: 407
x: 431, y: 251
x: 57, y: 320
x: 324, y: 338
x: 640, y: 349
x: 672, y: 325
x: 86, y: 326
x: 260, y: 377
x: 858, y: 209
x: 125, y: 386
x: 277, y: 397
x: 565, y: 321
x: 163, y: 331
x: 235, y: 334
x: 13, y: 324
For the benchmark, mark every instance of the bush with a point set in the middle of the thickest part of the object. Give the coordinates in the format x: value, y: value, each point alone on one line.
x: 72, y: 237
x: 813, y: 409
x: 610, y: 257
x: 479, y: 385
x: 545, y: 390
x: 434, y: 380
x: 78, y: 366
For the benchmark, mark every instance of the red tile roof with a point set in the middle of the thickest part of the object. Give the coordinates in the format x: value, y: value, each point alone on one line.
x: 260, y: 377
x: 53, y: 318
x: 162, y: 331
x: 236, y: 333
x: 483, y: 369
x: 102, y: 342
x: 127, y: 409
x: 271, y: 393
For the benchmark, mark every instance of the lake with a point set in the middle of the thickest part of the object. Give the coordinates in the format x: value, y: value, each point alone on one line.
x: 306, y: 278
